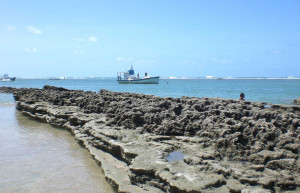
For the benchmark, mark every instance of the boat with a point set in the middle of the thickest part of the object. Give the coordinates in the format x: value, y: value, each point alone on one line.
x: 6, y: 78
x: 60, y: 78
x: 130, y: 78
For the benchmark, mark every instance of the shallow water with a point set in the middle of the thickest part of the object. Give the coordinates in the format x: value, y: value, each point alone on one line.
x: 275, y: 91
x: 175, y: 156
x: 36, y: 157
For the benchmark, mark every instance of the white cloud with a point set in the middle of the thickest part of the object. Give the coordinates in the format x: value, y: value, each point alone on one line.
x: 31, y: 50
x: 93, y: 39
x: 121, y: 59
x: 11, y: 28
x: 34, y: 30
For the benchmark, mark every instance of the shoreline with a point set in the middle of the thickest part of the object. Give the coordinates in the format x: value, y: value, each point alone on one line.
x: 36, y: 156
x: 241, y: 145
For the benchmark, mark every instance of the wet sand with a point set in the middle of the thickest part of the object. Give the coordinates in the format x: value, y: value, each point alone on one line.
x: 37, y: 157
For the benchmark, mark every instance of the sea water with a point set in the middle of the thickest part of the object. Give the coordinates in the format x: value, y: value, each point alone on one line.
x: 36, y: 157
x: 275, y: 91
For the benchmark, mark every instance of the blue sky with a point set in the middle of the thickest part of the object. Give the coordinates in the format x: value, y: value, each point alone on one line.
x: 187, y: 38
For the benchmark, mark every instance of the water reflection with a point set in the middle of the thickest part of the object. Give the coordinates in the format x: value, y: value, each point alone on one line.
x: 36, y: 157
x: 175, y: 156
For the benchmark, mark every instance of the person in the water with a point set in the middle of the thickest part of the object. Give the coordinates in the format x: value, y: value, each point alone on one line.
x: 242, y: 97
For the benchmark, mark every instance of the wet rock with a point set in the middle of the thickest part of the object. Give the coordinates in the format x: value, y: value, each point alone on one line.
x: 7, y: 89
x: 229, y: 145
x: 257, y: 190
x: 297, y: 101
x: 234, y: 186
x: 281, y: 164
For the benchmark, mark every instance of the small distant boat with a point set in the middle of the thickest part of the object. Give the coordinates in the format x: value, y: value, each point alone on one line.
x: 60, y: 78
x: 130, y: 78
x: 6, y: 78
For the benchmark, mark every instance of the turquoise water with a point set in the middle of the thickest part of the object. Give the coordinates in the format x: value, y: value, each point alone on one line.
x: 276, y: 91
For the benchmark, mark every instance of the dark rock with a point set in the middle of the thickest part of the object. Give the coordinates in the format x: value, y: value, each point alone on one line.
x: 281, y: 164
x: 55, y: 88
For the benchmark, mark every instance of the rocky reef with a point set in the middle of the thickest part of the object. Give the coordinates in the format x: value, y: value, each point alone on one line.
x: 297, y: 101
x: 227, y: 145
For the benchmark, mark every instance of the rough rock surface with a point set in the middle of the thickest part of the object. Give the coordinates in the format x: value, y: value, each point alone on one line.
x: 229, y: 145
x: 297, y: 101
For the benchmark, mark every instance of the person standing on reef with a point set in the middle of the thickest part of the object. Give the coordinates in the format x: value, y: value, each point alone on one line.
x: 242, y: 97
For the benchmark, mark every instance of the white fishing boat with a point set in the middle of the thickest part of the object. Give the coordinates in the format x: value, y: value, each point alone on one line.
x: 6, y: 78
x: 130, y: 78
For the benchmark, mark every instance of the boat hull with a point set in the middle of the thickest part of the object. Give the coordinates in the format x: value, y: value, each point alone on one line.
x: 8, y: 79
x: 151, y: 80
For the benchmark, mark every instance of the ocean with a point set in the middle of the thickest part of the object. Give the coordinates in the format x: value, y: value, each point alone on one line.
x: 36, y: 157
x: 275, y: 91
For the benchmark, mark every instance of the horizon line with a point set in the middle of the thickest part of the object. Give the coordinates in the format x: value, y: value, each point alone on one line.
x: 168, y: 77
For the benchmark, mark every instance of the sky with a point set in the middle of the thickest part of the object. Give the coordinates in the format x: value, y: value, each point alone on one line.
x: 181, y: 38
